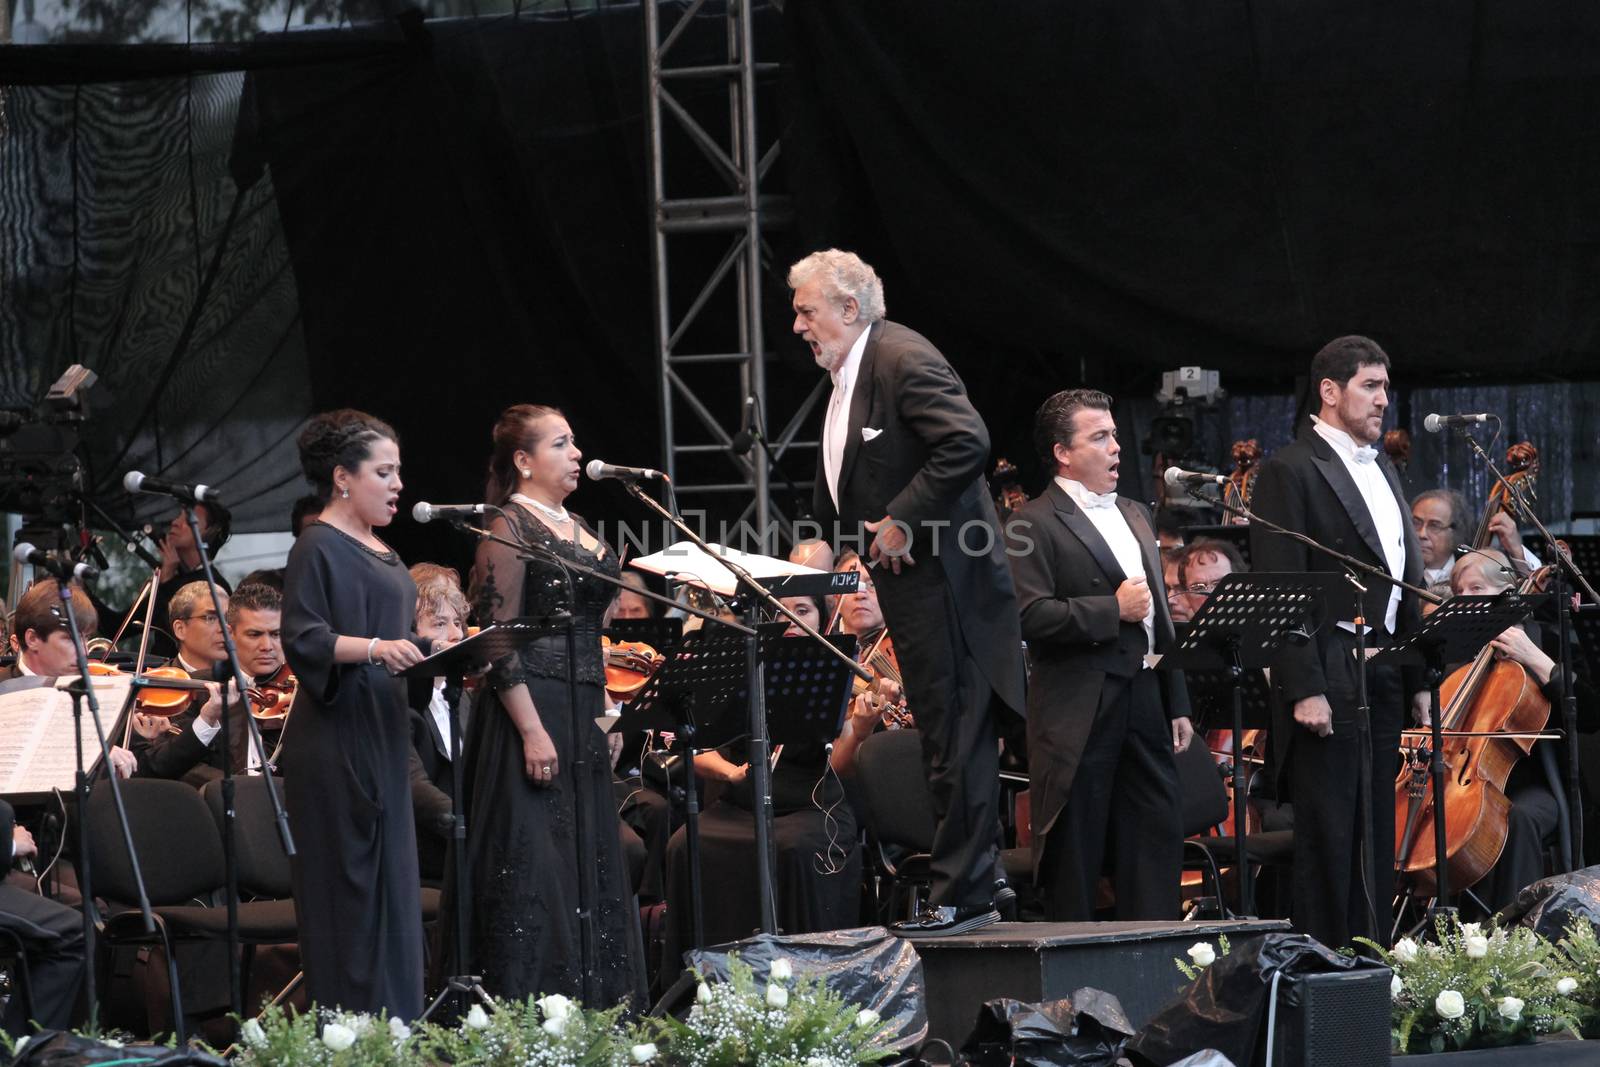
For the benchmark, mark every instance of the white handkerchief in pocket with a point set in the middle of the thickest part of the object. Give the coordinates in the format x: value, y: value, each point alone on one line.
x: 869, y: 434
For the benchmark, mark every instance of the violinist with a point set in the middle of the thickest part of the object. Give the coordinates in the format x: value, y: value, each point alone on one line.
x: 1534, y: 818
x: 255, y: 616
x: 180, y: 566
x: 184, y: 746
x: 859, y: 614
x: 629, y: 604
x: 1198, y: 568
x: 818, y: 873
x: 44, y: 644
x: 441, y: 617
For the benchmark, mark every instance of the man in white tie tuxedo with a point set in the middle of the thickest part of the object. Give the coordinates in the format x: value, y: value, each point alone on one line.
x: 1103, y: 726
x: 1333, y: 485
x: 902, y: 457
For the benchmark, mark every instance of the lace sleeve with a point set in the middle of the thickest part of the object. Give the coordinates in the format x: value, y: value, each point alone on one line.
x: 497, y: 585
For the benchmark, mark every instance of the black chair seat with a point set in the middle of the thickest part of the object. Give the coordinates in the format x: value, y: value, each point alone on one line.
x: 261, y: 922
x: 1268, y: 846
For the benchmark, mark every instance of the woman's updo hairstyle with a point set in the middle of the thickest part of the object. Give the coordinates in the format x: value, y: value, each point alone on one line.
x: 342, y: 438
x: 516, y: 431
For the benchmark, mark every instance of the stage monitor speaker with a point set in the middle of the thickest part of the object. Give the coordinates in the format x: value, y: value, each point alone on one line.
x: 1332, y: 1020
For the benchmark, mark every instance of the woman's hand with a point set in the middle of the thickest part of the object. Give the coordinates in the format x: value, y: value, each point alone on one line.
x: 397, y: 655
x: 539, y: 760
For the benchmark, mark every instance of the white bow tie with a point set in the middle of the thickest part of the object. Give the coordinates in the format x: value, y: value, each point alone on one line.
x: 1091, y: 501
x: 1366, y: 454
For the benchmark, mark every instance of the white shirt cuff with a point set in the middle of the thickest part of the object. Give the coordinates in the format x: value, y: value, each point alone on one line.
x: 205, y: 731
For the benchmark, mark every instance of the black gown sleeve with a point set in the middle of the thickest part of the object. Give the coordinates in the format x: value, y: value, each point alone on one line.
x: 308, y: 636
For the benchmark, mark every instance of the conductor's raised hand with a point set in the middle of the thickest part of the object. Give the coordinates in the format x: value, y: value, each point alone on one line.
x: 397, y: 655
x: 1133, y: 600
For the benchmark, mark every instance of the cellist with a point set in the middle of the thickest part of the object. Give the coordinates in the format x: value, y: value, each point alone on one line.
x: 1534, y: 816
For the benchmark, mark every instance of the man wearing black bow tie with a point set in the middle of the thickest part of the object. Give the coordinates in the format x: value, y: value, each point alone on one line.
x: 1103, y: 726
x: 903, y: 452
x: 1333, y: 485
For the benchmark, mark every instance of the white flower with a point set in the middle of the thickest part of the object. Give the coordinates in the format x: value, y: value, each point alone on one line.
x: 642, y: 1053
x: 1202, y: 954
x: 817, y: 1061
x: 16, y: 1050
x: 555, y: 1006
x: 781, y: 970
x: 110, y: 1042
x: 252, y: 1033
x: 1566, y: 986
x: 1395, y: 986
x: 338, y: 1037
x: 1510, y: 1008
x: 554, y: 1025
x: 1471, y: 929
x: 777, y: 996
x: 1449, y: 1004
x: 1477, y: 946
x: 477, y: 1018
x: 398, y: 1028
x: 361, y: 1024
x: 703, y: 994
x: 1405, y: 950
x: 867, y: 1017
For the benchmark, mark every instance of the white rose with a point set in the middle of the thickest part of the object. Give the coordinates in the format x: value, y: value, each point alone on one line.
x: 1477, y: 946
x: 642, y: 1053
x: 338, y: 1037
x: 1510, y: 1008
x: 398, y: 1028
x: 867, y: 1017
x: 781, y: 970
x: 1566, y: 986
x: 777, y: 996
x: 703, y: 994
x: 1202, y: 954
x: 477, y: 1018
x: 1471, y: 929
x: 1395, y: 986
x: 252, y: 1033
x: 555, y: 1024
x: 555, y: 1006
x: 1449, y: 1004
x: 1405, y: 950
x: 361, y: 1024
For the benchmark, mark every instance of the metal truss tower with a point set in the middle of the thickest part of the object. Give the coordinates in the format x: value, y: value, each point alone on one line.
x: 710, y: 343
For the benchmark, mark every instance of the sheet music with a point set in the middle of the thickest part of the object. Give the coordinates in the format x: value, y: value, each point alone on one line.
x: 37, y: 750
x: 685, y: 561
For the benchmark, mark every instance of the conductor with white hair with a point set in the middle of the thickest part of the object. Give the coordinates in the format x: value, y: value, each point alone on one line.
x: 902, y: 459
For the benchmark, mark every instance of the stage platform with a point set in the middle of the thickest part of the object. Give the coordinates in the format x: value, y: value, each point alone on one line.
x: 1046, y: 961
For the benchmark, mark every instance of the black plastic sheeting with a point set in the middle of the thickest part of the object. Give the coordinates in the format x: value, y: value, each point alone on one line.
x: 865, y: 966
x: 53, y: 1048
x: 1226, y: 1007
x: 1550, y: 904
x: 1087, y: 1029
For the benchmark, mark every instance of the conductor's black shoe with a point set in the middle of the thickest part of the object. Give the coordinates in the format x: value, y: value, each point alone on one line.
x: 1005, y: 900
x: 945, y: 921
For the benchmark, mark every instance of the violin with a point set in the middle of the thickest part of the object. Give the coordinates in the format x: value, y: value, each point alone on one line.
x: 272, y: 698
x: 629, y: 665
x: 877, y: 655
x: 155, y: 700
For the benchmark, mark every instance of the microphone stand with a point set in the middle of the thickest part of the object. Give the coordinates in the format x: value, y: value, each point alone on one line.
x: 758, y: 434
x: 1569, y: 698
x: 253, y: 737
x: 760, y: 744
x: 588, y: 885
x: 83, y: 692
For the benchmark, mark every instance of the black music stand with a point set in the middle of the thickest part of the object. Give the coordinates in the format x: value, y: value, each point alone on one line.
x: 1455, y: 632
x: 471, y: 656
x: 663, y: 635
x: 1244, y: 621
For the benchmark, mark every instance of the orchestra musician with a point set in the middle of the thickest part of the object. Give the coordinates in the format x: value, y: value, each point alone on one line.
x: 1334, y: 486
x: 347, y: 617
x: 1102, y: 726
x: 184, y: 746
x: 521, y: 786
x: 902, y: 456
x: 180, y: 566
x: 1198, y: 568
x: 442, y: 618
x: 1442, y: 522
x: 629, y: 604
x: 1534, y: 817
x: 44, y: 645
x: 51, y: 935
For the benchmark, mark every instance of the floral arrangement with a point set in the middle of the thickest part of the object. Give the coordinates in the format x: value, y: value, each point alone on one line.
x: 1202, y: 955
x: 1477, y: 988
x: 787, y: 1021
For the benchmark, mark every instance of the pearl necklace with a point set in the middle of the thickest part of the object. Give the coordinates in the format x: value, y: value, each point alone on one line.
x: 556, y: 514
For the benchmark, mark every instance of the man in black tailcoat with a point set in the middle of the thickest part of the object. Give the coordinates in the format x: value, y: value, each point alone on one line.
x: 1332, y: 484
x: 1103, y: 726
x: 902, y: 457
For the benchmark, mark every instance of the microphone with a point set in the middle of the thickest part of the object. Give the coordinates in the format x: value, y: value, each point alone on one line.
x: 1178, y: 478
x: 745, y: 438
x: 1435, y: 423
x: 426, y: 512
x: 60, y: 566
x: 134, y: 482
x: 599, y: 470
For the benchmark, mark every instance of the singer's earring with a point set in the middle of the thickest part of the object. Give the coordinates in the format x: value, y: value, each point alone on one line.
x: 527, y: 474
x: 344, y: 494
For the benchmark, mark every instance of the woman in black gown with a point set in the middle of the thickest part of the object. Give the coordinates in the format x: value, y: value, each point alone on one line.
x: 522, y: 851
x: 347, y: 613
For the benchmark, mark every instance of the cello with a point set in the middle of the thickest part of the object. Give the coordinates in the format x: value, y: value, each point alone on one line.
x: 1482, y: 699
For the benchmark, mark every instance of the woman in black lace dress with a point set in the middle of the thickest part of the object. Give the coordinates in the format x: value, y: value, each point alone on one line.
x: 522, y: 853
